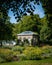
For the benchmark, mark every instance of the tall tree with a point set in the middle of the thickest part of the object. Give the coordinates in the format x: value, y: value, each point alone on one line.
x: 45, y: 31
x: 5, y: 29
x: 27, y: 23
x: 21, y: 7
x: 47, y: 5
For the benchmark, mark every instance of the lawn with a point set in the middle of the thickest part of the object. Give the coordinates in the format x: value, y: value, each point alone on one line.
x: 30, y: 62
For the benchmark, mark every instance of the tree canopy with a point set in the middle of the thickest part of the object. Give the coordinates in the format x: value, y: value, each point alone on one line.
x: 35, y: 24
x: 5, y: 28
x: 47, y: 5
x: 20, y: 8
x: 28, y: 23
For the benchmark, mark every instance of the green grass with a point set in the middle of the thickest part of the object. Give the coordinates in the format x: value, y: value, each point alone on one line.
x: 30, y: 62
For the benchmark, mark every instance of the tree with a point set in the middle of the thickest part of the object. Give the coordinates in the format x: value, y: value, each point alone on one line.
x: 45, y: 32
x: 16, y: 5
x: 5, y: 29
x: 27, y: 23
x: 25, y: 5
x: 47, y: 5
x: 19, y: 7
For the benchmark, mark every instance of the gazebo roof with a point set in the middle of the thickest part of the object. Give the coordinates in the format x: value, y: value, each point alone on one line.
x: 28, y: 33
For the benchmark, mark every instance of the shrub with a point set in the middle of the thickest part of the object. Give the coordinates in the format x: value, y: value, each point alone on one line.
x: 22, y: 57
x: 6, y: 54
x: 16, y: 53
x: 7, y: 47
x: 18, y: 48
x: 46, y: 51
x: 2, y: 60
x: 25, y: 53
x: 32, y: 53
x: 38, y: 52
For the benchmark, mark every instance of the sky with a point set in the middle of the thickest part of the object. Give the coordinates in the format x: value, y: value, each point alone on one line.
x: 39, y: 10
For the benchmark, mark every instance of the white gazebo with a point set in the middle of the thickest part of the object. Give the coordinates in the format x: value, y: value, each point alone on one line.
x: 28, y: 35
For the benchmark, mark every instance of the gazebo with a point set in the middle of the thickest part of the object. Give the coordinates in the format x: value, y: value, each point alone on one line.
x: 32, y: 37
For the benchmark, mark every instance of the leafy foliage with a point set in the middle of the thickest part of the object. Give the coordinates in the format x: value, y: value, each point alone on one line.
x: 45, y: 32
x: 5, y: 29
x: 24, y: 53
x: 27, y: 23
x: 7, y: 55
x: 48, y: 11
x: 19, y: 8
x: 38, y: 53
